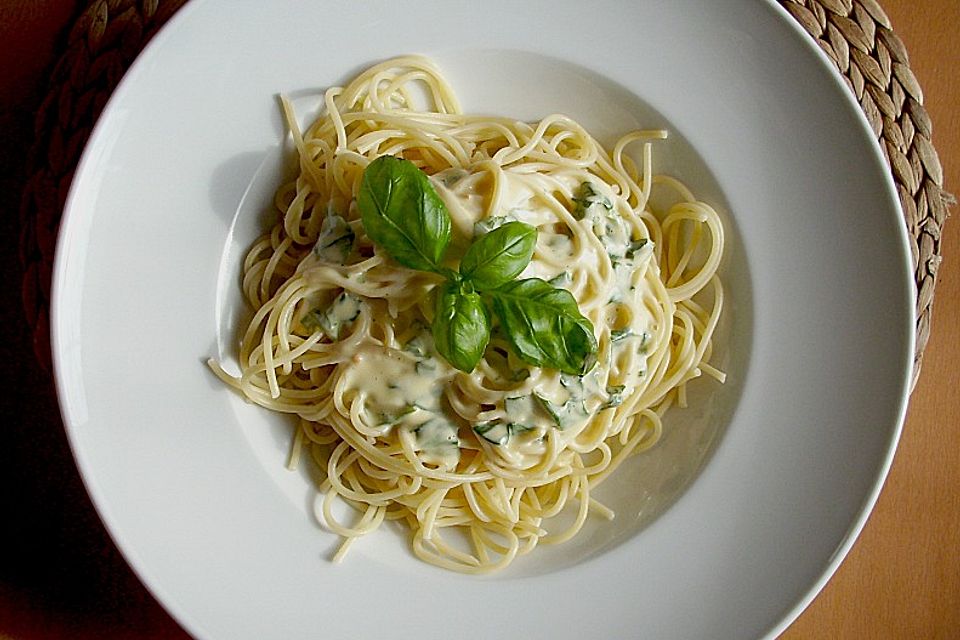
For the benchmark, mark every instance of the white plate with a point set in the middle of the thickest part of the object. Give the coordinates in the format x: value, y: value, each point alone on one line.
x: 726, y: 530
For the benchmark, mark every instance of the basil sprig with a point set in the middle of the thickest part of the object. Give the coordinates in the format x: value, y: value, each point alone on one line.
x: 405, y: 216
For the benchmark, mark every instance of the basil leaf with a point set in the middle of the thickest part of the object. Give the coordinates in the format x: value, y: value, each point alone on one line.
x: 461, y: 327
x: 499, y: 256
x: 544, y: 326
x: 403, y: 214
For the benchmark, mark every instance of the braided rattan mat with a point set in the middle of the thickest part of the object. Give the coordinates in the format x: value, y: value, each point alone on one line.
x: 108, y: 35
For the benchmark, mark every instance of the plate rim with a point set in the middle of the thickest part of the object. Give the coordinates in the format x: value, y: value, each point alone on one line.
x: 71, y: 212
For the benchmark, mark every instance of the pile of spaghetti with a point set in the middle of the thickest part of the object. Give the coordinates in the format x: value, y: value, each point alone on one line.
x: 477, y: 464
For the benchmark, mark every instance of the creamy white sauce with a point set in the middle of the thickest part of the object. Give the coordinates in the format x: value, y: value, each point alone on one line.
x: 437, y: 440
x: 342, y: 311
x: 392, y: 381
x: 402, y: 390
x: 334, y: 244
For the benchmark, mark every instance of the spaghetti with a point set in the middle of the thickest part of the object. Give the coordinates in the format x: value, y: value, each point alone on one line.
x: 476, y: 464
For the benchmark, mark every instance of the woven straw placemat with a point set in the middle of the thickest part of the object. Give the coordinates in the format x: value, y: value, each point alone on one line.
x: 858, y: 37
x: 108, y: 35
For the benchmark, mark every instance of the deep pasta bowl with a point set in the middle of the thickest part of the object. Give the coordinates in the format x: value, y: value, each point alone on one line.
x: 727, y: 528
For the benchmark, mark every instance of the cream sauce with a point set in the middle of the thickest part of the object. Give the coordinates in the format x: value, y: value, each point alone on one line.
x: 403, y: 389
x: 391, y: 381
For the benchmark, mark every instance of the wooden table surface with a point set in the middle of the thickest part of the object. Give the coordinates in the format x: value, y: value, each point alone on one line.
x: 60, y: 577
